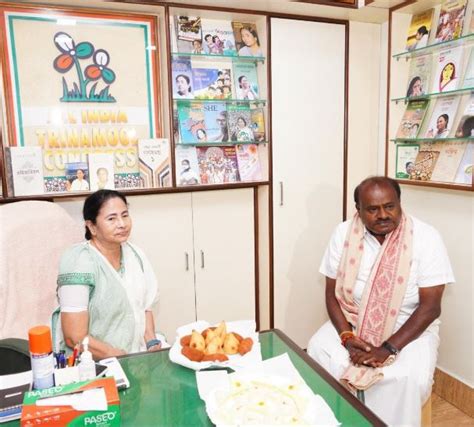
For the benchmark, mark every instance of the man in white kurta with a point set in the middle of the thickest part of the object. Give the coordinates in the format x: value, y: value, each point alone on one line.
x: 398, y: 397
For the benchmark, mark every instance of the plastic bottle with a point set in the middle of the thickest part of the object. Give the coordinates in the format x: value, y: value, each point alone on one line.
x: 87, y: 365
x: 41, y: 353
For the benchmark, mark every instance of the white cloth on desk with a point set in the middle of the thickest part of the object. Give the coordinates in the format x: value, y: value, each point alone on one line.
x: 398, y: 398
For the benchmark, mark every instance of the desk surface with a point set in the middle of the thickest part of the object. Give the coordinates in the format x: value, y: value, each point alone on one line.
x: 165, y: 394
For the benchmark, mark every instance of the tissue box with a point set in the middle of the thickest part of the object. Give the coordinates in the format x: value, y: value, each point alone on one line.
x: 33, y: 415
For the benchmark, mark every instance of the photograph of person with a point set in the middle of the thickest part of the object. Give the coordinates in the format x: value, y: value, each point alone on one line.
x: 197, y: 47
x: 415, y: 88
x: 201, y: 135
x: 80, y: 183
x: 421, y: 37
x: 251, y: 43
x: 245, y: 89
x: 223, y: 135
x: 466, y: 129
x: 183, y: 87
x: 187, y: 176
x: 447, y: 78
x: 442, y: 130
x: 242, y: 132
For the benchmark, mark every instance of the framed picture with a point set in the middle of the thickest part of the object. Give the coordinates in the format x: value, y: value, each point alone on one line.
x: 78, y: 83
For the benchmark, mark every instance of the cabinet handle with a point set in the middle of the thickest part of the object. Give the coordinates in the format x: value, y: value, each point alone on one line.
x: 186, y: 261
x: 281, y: 193
x: 202, y: 259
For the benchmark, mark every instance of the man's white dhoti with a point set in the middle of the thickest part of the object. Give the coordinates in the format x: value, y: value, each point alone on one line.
x: 397, y: 399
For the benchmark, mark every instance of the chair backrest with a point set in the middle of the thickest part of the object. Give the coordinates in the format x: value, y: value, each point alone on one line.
x: 33, y: 235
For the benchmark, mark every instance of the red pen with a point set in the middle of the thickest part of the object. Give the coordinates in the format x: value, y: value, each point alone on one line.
x: 74, y: 354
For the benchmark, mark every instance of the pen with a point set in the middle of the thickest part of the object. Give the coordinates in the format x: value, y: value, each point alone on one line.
x: 74, y: 355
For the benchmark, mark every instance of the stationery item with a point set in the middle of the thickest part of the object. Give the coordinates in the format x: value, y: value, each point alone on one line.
x: 12, y: 389
x: 66, y: 375
x: 42, y: 360
x: 114, y: 369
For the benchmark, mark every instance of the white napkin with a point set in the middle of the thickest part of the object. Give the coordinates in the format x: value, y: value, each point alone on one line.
x: 246, y: 328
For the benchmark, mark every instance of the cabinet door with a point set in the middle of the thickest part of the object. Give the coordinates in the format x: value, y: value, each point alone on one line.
x: 224, y: 252
x: 308, y: 135
x: 162, y: 227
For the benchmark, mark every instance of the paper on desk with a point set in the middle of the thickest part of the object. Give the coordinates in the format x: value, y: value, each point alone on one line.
x: 275, y: 377
x: 87, y: 400
x: 245, y: 328
x: 14, y: 380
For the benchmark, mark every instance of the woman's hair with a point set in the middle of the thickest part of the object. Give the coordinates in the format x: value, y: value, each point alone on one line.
x: 412, y: 84
x: 422, y: 30
x: 93, y: 204
x: 188, y: 80
x: 251, y: 31
x: 467, y: 127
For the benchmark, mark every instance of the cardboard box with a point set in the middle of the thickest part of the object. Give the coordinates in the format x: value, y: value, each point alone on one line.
x: 33, y: 415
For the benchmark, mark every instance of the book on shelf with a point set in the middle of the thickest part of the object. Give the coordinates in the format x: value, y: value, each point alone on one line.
x: 419, y: 30
x: 405, y: 160
x: 182, y: 78
x: 153, y: 156
x: 187, y: 169
x: 257, y: 119
x: 249, y: 162
x: 448, y: 67
x: 468, y: 81
x: 77, y: 176
x: 246, y: 80
x: 25, y: 168
x: 192, y: 126
x: 212, y: 83
x: 215, y: 122
x: 465, y: 169
x: 419, y: 75
x: 246, y: 39
x: 442, y: 117
x: 425, y: 161
x: 217, y: 165
x: 185, y: 34
x: 239, y: 122
x: 470, y: 29
x: 218, y: 37
x: 101, y: 169
x: 412, y: 119
x: 451, y: 20
x: 449, y: 159
x: 465, y: 127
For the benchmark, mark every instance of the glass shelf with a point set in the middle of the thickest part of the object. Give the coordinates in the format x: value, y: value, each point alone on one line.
x: 408, y: 140
x: 220, y: 144
x: 235, y: 58
x: 433, y: 95
x: 417, y: 52
x: 224, y: 101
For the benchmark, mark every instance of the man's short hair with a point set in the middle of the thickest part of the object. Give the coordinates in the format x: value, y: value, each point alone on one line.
x: 374, y: 180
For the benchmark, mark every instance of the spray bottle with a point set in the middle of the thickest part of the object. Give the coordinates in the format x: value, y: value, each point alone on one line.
x: 87, y: 365
x: 42, y: 360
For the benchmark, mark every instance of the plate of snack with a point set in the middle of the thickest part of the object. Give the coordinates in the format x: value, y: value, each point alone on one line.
x: 200, y: 345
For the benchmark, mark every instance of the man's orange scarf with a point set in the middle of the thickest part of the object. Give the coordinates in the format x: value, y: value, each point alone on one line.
x: 383, y: 294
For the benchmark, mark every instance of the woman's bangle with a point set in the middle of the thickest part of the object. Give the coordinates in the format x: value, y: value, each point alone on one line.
x: 152, y: 343
x: 346, y: 335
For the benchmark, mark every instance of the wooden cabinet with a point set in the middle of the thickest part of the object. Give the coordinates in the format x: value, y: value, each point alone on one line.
x: 201, y: 246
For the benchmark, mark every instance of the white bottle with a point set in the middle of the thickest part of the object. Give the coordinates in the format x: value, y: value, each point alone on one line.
x: 87, y: 365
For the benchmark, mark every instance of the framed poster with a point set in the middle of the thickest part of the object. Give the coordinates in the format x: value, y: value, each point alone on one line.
x: 78, y: 83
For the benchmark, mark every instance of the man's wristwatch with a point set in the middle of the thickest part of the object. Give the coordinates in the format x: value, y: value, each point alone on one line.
x: 392, y: 349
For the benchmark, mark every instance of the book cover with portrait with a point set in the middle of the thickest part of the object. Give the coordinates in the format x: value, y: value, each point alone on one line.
x: 448, y: 69
x: 249, y: 162
x: 212, y: 83
x: 247, y: 41
x: 239, y: 120
x: 465, y: 127
x: 246, y: 80
x: 412, y: 119
x: 425, y: 161
x: 77, y: 176
x: 451, y: 20
x: 419, y: 30
x: 182, y: 78
x: 468, y: 81
x: 101, y: 169
x: 217, y: 165
x: 442, y: 118
x: 192, y: 127
x: 449, y: 159
x: 405, y: 160
x: 465, y: 169
x: 215, y: 121
x: 257, y: 120
x: 187, y: 168
x: 218, y: 37
x: 419, y: 75
x: 154, y: 162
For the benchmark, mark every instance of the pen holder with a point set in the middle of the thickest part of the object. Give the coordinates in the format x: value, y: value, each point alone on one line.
x: 66, y: 375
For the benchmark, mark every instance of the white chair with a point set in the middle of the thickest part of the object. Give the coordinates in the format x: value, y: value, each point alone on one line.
x: 33, y: 235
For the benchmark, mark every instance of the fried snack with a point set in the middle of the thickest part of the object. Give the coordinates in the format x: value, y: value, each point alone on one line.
x: 185, y: 341
x: 245, y: 346
x: 231, y: 344
x: 238, y: 336
x: 216, y: 357
x: 197, y: 341
x: 204, y: 333
x: 211, y: 334
x: 192, y: 354
x: 214, y: 347
x: 221, y: 330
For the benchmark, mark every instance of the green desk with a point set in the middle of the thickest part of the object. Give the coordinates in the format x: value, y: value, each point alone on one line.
x: 165, y: 394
